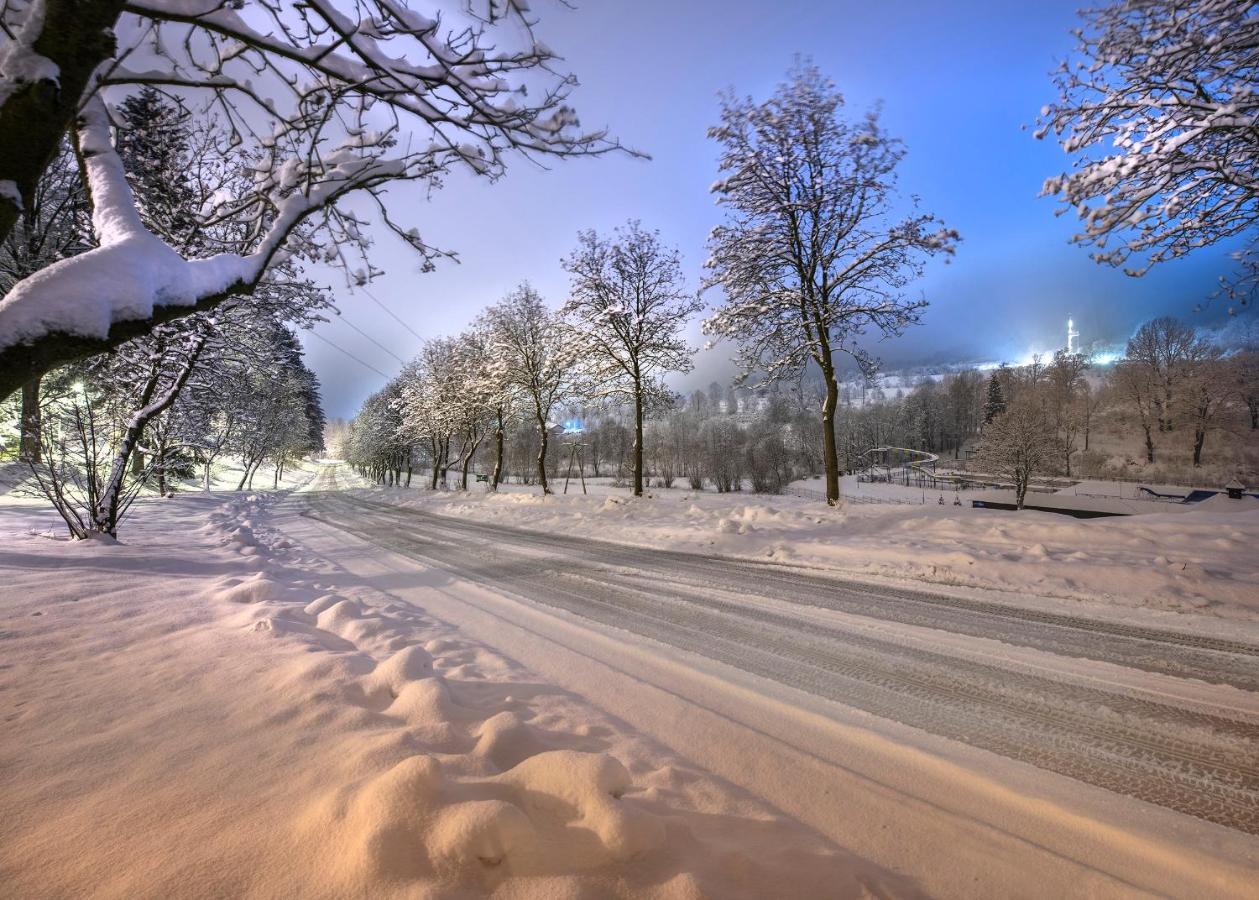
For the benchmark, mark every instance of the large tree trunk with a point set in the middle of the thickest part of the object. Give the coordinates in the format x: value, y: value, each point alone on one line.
x: 638, y: 438
x: 830, y: 453
x: 498, y: 454
x: 543, y: 437
x: 1149, y: 444
x: 30, y: 448
x: 76, y: 36
x: 1199, y: 438
x: 467, y: 461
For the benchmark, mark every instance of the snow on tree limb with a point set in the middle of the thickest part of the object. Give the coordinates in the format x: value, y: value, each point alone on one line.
x: 327, y: 97
x: 1161, y: 112
x: 133, y: 273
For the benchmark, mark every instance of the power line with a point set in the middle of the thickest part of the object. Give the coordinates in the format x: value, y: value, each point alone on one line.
x: 350, y: 355
x: 392, y: 313
x: 372, y: 339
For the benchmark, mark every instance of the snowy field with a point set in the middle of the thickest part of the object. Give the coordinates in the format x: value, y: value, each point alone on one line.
x: 1170, y: 558
x: 209, y: 710
x: 239, y: 700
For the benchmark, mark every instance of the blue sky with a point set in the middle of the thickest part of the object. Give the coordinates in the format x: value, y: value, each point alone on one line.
x: 958, y: 82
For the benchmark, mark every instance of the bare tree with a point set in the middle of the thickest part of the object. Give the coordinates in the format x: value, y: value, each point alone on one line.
x: 1019, y: 444
x: 1067, y: 396
x: 626, y: 310
x: 1160, y: 111
x: 357, y: 94
x: 1135, y: 383
x: 1206, y: 391
x: 1162, y: 346
x: 1091, y: 402
x: 84, y: 467
x: 812, y: 253
x: 1246, y: 382
x: 534, y: 356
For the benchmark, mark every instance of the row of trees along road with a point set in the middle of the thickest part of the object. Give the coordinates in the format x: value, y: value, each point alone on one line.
x: 815, y: 251
x: 1061, y: 416
x: 613, y: 342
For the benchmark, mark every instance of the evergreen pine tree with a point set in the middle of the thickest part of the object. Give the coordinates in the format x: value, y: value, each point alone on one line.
x: 155, y: 144
x: 995, y: 405
x: 294, y: 366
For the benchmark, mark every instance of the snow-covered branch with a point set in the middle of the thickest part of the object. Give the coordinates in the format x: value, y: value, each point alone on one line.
x: 1161, y: 113
x: 324, y: 97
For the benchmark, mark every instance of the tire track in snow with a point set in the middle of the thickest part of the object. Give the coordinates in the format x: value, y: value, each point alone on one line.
x: 1197, y: 763
x: 1167, y: 652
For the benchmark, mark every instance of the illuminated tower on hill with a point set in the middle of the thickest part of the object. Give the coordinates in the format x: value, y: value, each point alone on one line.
x: 1072, y: 336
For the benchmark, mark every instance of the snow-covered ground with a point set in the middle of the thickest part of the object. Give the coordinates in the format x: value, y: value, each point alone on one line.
x: 1171, y: 558
x: 209, y: 710
x: 239, y: 700
x: 17, y: 485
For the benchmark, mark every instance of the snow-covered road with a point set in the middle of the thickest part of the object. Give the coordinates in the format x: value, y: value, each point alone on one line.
x: 763, y: 620
x: 1166, y: 717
